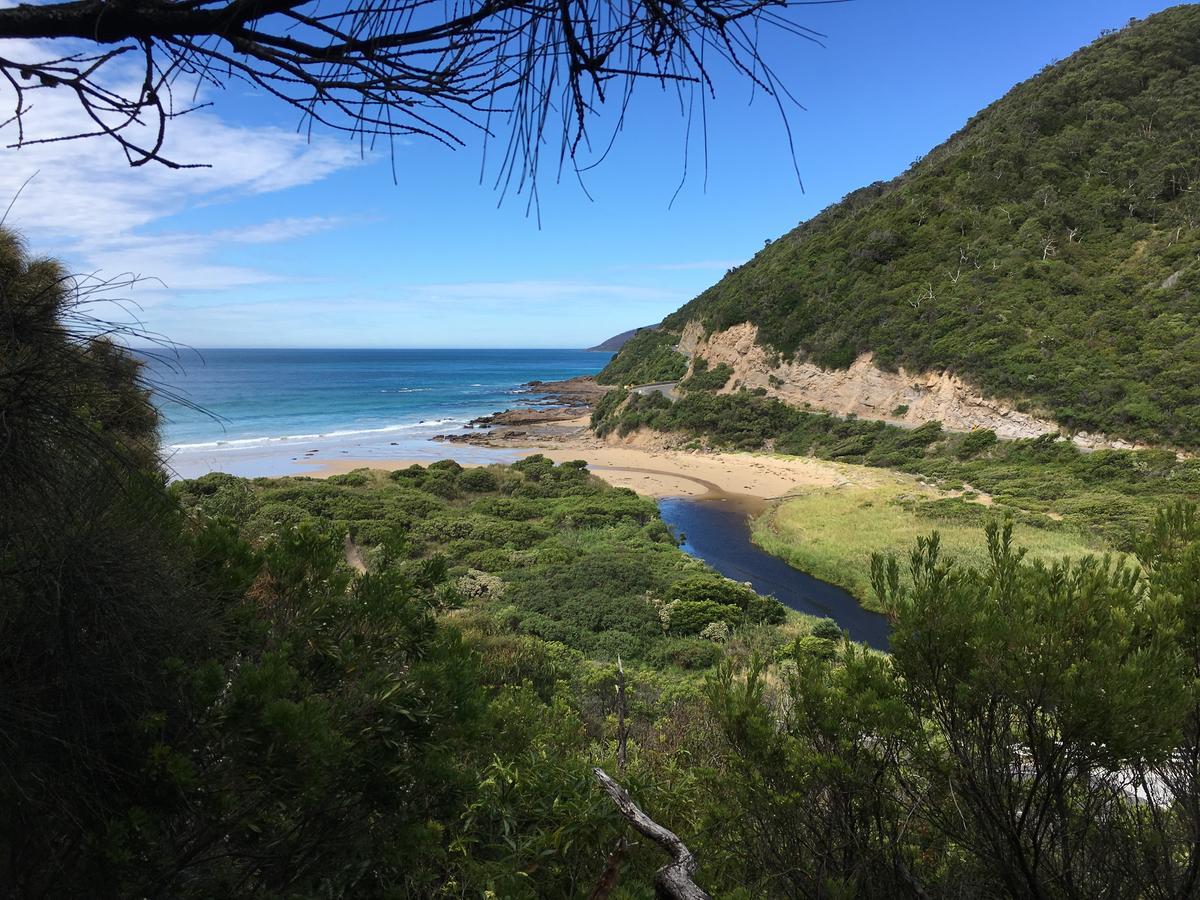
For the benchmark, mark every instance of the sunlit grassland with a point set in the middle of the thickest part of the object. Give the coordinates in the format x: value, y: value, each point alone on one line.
x: 831, y: 533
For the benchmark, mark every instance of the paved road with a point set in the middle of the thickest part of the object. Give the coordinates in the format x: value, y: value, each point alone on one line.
x: 666, y: 388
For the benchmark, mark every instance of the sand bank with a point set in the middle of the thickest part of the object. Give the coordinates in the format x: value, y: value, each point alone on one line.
x: 675, y: 473
x: 653, y: 465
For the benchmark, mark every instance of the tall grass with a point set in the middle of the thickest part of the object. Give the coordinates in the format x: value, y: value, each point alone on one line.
x: 831, y: 533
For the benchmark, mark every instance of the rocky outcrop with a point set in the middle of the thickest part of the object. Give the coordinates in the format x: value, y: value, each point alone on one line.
x: 902, y: 398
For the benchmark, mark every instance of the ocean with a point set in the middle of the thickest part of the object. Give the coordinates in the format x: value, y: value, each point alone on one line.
x: 268, y: 412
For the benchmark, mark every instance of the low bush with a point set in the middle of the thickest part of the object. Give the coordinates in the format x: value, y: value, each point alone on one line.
x: 690, y: 654
x: 478, y: 481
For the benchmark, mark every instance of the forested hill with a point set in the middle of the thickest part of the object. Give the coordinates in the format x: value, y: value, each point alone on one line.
x: 1048, y: 252
x: 617, y: 341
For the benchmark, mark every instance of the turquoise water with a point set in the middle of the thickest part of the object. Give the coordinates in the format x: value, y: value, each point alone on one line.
x: 254, y: 411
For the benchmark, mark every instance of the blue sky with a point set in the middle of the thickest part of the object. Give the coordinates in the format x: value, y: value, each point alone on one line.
x: 290, y: 243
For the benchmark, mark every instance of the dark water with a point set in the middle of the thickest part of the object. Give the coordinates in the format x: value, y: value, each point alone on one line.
x: 718, y: 532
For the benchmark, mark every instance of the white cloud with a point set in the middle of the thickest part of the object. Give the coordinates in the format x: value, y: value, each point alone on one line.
x: 87, y: 205
x: 181, y: 261
x: 484, y: 313
x: 280, y: 229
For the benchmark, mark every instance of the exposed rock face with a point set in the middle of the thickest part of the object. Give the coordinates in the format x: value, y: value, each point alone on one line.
x: 580, y: 391
x: 868, y: 391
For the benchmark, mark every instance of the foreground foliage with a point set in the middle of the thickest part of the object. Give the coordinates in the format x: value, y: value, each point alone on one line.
x: 832, y: 534
x: 396, y: 685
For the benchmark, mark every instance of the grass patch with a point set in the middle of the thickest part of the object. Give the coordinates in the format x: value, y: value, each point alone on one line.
x: 832, y: 533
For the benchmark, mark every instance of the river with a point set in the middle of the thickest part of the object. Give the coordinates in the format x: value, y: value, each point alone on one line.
x: 718, y: 532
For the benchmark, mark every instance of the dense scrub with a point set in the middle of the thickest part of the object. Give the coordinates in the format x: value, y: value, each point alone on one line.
x: 1047, y: 252
x: 205, y: 694
x: 705, y: 379
x: 1109, y: 494
x: 539, y: 549
x: 647, y: 358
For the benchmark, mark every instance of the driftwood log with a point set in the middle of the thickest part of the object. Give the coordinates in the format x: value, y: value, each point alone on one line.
x: 674, y: 880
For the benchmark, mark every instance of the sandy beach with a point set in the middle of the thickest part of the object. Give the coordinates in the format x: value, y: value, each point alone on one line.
x: 654, y: 465
x: 672, y: 473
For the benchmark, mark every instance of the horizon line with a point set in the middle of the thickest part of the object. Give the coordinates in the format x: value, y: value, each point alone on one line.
x: 187, y: 347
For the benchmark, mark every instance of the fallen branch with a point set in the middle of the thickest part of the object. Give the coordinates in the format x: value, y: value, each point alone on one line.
x: 672, y: 881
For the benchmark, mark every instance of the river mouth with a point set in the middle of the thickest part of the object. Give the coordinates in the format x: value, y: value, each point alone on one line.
x: 716, y: 529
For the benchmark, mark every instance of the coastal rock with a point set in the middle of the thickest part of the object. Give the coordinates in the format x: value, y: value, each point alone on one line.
x: 526, y: 416
x: 581, y: 391
x: 903, y: 398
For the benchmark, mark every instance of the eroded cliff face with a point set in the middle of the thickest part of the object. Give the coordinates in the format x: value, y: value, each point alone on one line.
x: 870, y: 392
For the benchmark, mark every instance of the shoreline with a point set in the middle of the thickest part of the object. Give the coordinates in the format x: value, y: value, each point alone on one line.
x: 556, y: 424
x: 653, y: 466
x: 751, y: 480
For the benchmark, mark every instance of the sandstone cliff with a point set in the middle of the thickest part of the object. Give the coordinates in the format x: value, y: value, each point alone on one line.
x: 900, y: 397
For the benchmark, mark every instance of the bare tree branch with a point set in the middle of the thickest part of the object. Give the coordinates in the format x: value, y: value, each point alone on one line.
x: 674, y: 880
x: 384, y: 68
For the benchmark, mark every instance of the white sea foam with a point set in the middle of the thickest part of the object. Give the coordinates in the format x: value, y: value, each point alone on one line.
x: 268, y: 441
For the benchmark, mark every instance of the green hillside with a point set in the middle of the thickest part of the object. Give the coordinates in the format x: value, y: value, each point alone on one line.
x: 1047, y: 252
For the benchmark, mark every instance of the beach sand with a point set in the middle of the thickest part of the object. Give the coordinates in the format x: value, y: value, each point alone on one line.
x: 671, y: 473
x: 653, y: 465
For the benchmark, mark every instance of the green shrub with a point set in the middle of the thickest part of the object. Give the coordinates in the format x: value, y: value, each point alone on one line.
x: 442, y: 484
x: 446, y: 465
x: 705, y: 379
x: 219, y: 495
x: 478, y: 481
x: 355, y: 478
x: 534, y: 467
x: 689, y: 617
x: 608, y: 645
x: 827, y: 630
x: 512, y: 508
x: 548, y: 629
x: 373, y: 532
x: 685, y: 653
x: 490, y: 559
x: 413, y: 474
x: 976, y: 442
x: 717, y: 589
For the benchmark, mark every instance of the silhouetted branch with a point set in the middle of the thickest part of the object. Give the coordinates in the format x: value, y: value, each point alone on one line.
x: 384, y: 68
